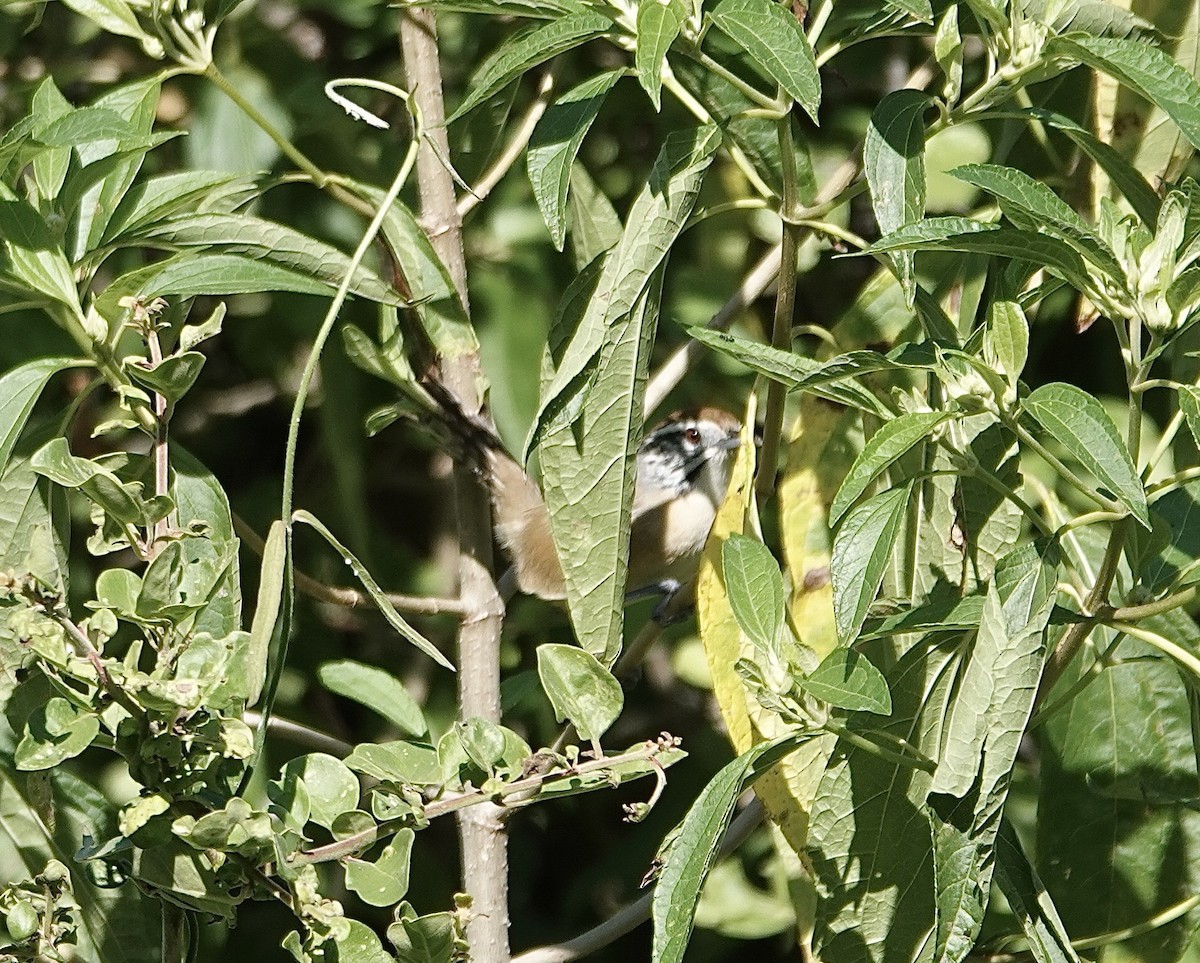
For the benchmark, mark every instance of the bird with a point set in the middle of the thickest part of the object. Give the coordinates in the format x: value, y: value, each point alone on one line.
x: 683, y: 468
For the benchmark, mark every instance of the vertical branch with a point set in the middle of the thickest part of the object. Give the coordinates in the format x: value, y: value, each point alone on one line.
x: 481, y: 832
x: 162, y: 466
x: 785, y: 306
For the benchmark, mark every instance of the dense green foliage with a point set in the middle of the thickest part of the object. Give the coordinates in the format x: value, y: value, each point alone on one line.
x: 946, y: 255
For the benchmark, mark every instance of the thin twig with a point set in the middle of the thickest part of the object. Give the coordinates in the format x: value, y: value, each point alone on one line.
x: 302, y: 735
x: 521, y: 791
x: 514, y: 148
x: 632, y: 915
x: 348, y: 597
x: 1068, y: 645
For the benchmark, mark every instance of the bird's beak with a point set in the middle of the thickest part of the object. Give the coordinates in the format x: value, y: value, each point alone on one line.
x: 729, y: 444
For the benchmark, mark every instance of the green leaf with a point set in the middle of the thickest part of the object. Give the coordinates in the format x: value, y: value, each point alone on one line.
x: 199, y: 497
x: 1189, y: 404
x: 580, y: 688
x: 378, y: 596
x: 555, y: 143
x: 893, y: 440
x: 123, y: 502
x: 595, y: 226
x: 1143, y: 68
x: 331, y: 787
x: 1030, y: 903
x: 1033, y: 206
x: 154, y: 199
x: 83, y: 126
x: 948, y: 611
x: 188, y: 275
x: 35, y: 255
x: 399, y: 762
x: 861, y: 549
x: 847, y: 680
x: 917, y: 9
x: 20, y: 389
x: 658, y: 24
x: 539, y: 9
x: 116, y: 16
x: 975, y: 237
x: 790, y: 369
x: 172, y: 377
x: 270, y: 243
x: 266, y: 609
x: 1006, y: 339
x: 596, y: 392
x: 691, y: 851
x: 755, y: 587
x: 54, y: 733
x: 998, y: 683
x: 375, y: 689
x: 773, y: 37
x: 1079, y: 423
x: 184, y: 577
x: 894, y: 163
x: 960, y: 879
x: 384, y: 881
x: 438, y: 306
x: 528, y: 49
x: 1129, y: 181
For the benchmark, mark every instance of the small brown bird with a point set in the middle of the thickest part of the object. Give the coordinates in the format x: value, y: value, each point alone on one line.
x: 683, y: 468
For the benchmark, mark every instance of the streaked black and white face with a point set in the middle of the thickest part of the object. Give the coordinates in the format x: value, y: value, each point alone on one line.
x: 689, y: 450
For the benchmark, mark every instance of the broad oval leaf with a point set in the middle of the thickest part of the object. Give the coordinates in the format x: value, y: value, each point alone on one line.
x: 1079, y: 423
x: 848, y: 680
x: 377, y: 690
x: 555, y: 143
x: 773, y: 37
x: 861, y: 549
x: 384, y: 881
x: 891, y: 441
x: 528, y: 49
x: 580, y: 688
x: 53, y: 733
x: 755, y: 587
x: 331, y: 787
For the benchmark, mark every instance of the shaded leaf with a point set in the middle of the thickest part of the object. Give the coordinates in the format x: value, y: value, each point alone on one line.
x: 893, y: 440
x: 847, y: 680
x: 658, y: 24
x: 861, y: 549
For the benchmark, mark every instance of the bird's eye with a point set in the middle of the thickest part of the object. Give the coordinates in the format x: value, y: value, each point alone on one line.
x: 692, y: 436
